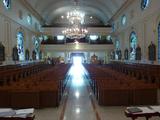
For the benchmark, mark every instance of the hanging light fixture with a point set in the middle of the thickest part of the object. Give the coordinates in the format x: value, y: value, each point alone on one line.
x: 75, y: 32
x: 75, y: 29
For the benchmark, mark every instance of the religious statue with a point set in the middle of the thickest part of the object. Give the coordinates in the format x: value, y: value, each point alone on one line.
x: 33, y: 55
x: 138, y: 53
x: 119, y: 55
x: 94, y: 59
x: 152, y: 52
x: 112, y: 55
x: 27, y: 54
x: 126, y: 54
x: 2, y: 52
x: 15, y: 55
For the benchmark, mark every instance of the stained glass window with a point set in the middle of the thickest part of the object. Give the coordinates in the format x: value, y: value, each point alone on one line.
x: 29, y: 19
x: 144, y: 4
x: 159, y: 42
x: 36, y: 46
x: 133, y: 45
x: 117, y: 45
x: 123, y: 20
x: 7, y: 3
x: 20, y: 45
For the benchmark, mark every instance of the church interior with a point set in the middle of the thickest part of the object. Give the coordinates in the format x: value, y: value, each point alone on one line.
x: 79, y: 60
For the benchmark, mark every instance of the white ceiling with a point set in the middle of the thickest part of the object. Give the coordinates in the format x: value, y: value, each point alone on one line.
x: 101, y: 9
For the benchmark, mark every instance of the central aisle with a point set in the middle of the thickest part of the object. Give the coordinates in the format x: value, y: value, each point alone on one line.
x: 78, y: 106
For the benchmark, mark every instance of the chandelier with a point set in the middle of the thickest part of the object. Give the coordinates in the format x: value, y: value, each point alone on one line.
x: 75, y: 30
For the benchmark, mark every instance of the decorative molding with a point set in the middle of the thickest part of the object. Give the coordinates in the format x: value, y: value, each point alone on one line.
x: 32, y: 10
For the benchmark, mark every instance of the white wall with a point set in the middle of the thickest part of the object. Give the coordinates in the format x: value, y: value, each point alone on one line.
x: 143, y: 22
x: 10, y: 23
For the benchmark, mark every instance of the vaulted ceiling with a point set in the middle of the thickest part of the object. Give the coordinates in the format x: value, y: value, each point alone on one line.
x: 101, y: 9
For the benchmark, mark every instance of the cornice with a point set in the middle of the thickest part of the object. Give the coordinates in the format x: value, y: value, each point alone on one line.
x: 121, y: 9
x: 32, y: 10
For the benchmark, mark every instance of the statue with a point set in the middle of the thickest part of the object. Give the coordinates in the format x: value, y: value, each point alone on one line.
x: 33, y: 55
x: 152, y: 52
x: 2, y: 52
x: 119, y: 55
x: 27, y: 54
x: 126, y: 54
x: 138, y: 53
x: 15, y: 55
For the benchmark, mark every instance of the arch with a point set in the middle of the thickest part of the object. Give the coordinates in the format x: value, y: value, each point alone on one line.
x: 133, y: 45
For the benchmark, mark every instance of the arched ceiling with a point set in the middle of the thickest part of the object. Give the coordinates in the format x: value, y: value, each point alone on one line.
x: 51, y: 9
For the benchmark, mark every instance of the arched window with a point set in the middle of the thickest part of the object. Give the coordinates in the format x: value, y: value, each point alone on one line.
x: 117, y: 46
x: 20, y: 45
x: 159, y: 42
x: 144, y: 4
x: 133, y: 45
x: 36, y: 46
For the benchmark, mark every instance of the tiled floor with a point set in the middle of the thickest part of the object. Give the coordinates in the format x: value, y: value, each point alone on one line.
x: 78, y: 103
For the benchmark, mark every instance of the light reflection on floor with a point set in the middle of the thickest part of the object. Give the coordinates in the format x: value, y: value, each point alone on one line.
x: 78, y: 105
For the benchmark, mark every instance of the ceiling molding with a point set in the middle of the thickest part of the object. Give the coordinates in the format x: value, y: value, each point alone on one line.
x: 32, y: 10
